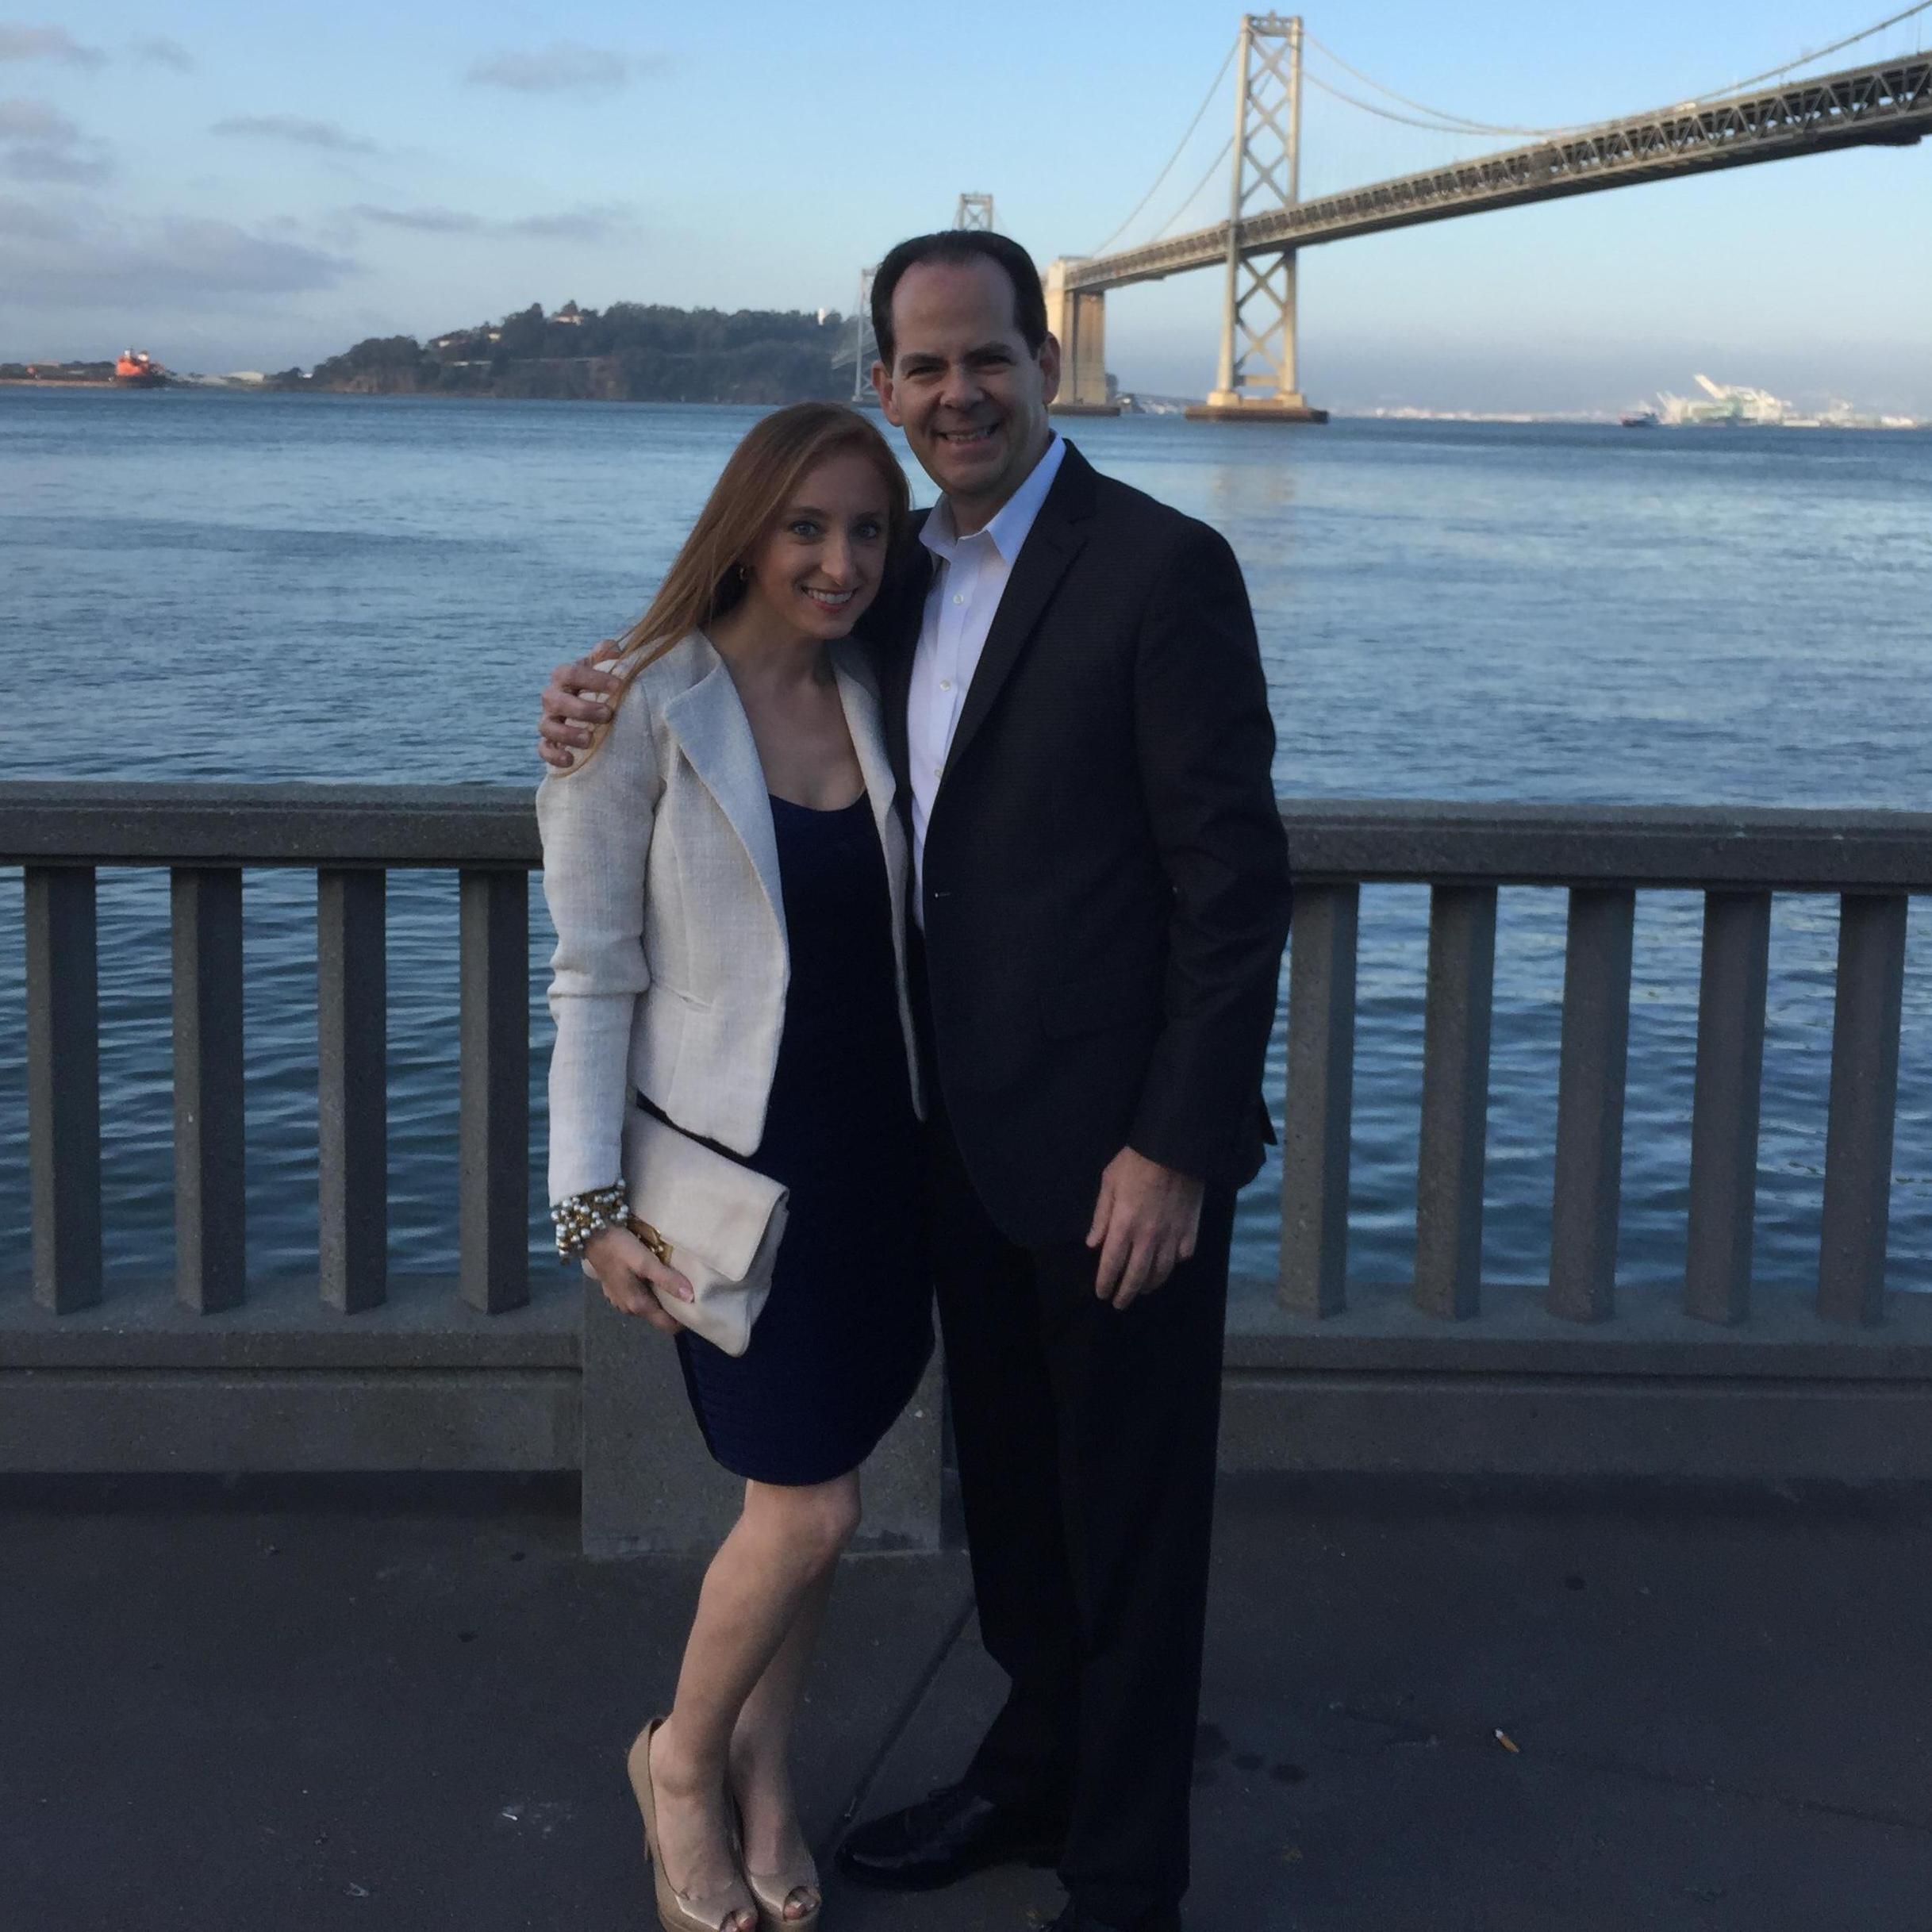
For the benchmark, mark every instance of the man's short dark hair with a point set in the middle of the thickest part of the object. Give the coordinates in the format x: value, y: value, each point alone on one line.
x: 959, y: 245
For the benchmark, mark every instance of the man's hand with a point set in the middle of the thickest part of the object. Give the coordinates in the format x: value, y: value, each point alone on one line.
x: 574, y: 701
x: 627, y: 1271
x: 1145, y: 1219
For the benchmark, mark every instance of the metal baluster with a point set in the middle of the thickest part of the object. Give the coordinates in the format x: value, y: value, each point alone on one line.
x: 495, y: 1132
x: 1455, y: 1100
x: 1864, y: 1096
x: 64, y: 1086
x: 211, y: 1262
x: 1596, y: 1021
x: 352, y: 1098
x: 1321, y: 1073
x: 1731, y: 1060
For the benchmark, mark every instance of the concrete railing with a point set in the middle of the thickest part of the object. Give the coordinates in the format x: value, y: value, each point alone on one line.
x: 1440, y: 1374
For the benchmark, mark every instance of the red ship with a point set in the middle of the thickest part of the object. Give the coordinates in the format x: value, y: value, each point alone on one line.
x: 136, y: 369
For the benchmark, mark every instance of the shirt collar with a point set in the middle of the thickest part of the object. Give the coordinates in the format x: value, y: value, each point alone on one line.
x: 1008, y: 527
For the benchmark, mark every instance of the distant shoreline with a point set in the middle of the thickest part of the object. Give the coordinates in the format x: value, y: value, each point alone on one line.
x: 1465, y: 418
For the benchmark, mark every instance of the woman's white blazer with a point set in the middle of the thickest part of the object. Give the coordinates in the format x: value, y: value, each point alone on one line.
x: 661, y: 870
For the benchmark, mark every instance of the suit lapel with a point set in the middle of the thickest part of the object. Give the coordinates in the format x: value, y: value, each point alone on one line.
x: 710, y: 724
x: 1054, y: 542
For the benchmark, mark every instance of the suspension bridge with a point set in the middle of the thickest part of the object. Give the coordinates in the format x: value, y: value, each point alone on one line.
x: 1770, y: 116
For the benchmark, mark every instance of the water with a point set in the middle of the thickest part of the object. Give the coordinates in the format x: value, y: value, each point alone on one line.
x: 229, y: 588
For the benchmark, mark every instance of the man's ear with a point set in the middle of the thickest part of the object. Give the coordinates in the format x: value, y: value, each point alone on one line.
x: 883, y: 388
x: 1048, y: 359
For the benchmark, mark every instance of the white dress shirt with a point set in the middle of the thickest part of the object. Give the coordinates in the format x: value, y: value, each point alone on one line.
x: 960, y: 608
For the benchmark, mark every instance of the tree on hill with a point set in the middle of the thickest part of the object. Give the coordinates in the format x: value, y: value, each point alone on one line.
x: 633, y: 352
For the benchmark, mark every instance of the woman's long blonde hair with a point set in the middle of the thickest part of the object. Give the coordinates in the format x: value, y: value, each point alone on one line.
x: 707, y: 576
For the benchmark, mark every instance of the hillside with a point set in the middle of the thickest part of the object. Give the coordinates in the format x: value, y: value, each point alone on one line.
x: 630, y: 352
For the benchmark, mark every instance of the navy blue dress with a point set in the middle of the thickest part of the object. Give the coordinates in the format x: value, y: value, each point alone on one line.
x: 846, y: 1331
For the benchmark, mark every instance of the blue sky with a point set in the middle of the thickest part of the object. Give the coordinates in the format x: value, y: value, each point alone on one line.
x: 237, y: 186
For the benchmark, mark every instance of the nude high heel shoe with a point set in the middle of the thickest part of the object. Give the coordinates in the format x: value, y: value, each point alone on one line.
x: 679, y: 1911
x: 773, y: 1890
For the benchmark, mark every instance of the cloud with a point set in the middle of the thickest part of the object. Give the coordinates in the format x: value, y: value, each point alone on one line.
x: 601, y: 223
x: 296, y: 129
x: 35, y: 161
x: 161, y: 52
x: 47, y: 44
x: 422, y: 220
x: 576, y: 224
x: 24, y: 119
x: 39, y: 144
x: 564, y: 66
x: 85, y: 257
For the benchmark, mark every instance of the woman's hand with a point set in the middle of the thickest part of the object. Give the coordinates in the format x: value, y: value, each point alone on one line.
x: 627, y: 1271
x: 574, y: 702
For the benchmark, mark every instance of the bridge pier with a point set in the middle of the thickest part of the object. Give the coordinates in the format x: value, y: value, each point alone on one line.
x: 1078, y: 319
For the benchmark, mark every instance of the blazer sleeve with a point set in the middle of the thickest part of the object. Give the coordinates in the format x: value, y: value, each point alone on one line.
x: 1205, y: 745
x: 596, y: 823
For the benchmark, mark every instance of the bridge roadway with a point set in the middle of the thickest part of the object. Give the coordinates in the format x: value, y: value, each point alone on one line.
x: 1888, y: 104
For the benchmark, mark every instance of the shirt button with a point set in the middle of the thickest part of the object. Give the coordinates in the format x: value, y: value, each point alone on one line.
x: 946, y: 684
x: 958, y: 597
x: 938, y: 771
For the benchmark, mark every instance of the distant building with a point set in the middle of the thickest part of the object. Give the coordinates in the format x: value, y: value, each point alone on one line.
x: 569, y: 312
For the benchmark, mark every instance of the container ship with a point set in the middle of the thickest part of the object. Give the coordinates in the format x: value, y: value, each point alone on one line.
x: 136, y: 369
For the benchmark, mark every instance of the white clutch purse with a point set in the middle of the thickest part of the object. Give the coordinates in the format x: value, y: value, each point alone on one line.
x: 717, y: 1223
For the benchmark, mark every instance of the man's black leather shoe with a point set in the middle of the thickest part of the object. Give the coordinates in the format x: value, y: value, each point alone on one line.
x: 943, y: 1837
x: 1074, y: 1919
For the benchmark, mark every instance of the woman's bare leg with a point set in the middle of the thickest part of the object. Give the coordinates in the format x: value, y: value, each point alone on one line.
x: 761, y: 1748
x: 773, y: 1564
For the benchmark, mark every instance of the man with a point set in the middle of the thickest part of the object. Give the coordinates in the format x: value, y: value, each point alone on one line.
x: 1079, y: 725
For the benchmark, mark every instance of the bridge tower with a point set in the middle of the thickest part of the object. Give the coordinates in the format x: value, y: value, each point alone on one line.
x: 975, y: 211
x: 1256, y: 380
x: 863, y: 395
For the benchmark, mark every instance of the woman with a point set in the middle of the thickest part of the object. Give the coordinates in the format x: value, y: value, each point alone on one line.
x: 726, y: 873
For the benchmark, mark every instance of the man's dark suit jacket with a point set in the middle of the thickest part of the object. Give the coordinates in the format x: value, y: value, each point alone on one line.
x: 1106, y: 893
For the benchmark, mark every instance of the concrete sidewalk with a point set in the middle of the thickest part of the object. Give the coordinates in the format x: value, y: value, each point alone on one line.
x: 278, y: 1709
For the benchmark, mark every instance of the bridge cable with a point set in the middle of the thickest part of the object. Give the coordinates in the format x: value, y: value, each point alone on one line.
x: 1206, y: 102
x: 1434, y: 127
x: 1818, y: 53
x: 1213, y: 167
x: 1435, y: 113
x: 1442, y: 121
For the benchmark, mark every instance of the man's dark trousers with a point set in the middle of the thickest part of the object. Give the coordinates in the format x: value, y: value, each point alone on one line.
x: 1086, y: 1441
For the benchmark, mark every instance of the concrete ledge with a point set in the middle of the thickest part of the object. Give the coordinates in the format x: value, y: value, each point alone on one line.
x: 1381, y: 1331
x: 424, y: 1325
x: 109, y: 1422
x: 1593, y: 1426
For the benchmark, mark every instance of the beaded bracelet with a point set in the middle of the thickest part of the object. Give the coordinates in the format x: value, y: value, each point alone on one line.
x: 579, y: 1216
